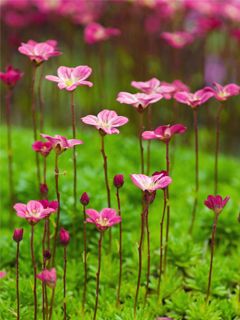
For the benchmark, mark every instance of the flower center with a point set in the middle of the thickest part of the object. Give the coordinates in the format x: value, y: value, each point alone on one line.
x: 102, y: 221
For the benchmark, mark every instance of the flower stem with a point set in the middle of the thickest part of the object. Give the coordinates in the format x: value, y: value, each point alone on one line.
x: 161, y: 243
x: 120, y: 250
x: 217, y: 146
x: 149, y: 258
x: 149, y: 117
x: 74, y: 154
x: 17, y: 281
x: 64, y: 283
x: 141, y: 128
x: 34, y: 272
x: 168, y: 208
x: 214, y: 229
x: 40, y: 98
x: 43, y: 292
x: 58, y: 210
x: 84, y: 259
x: 195, y: 204
x: 98, y: 274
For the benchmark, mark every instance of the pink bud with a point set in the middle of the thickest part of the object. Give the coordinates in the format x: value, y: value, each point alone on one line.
x: 47, y: 254
x: 43, y: 189
x: 84, y: 199
x: 18, y: 235
x: 118, y: 180
x: 64, y: 237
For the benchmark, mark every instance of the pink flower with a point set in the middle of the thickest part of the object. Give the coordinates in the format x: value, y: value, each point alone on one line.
x: 42, y: 147
x: 71, y: 78
x: 39, y: 51
x: 178, y: 39
x: 152, y: 183
x: 164, y: 133
x: 49, y: 204
x: 11, y: 76
x: 95, y: 32
x: 106, y: 121
x: 48, y: 277
x: 2, y: 274
x: 33, y: 211
x: 64, y: 237
x: 18, y: 235
x: 193, y: 99
x: 222, y: 93
x: 152, y: 86
x: 138, y: 100
x: 104, y: 219
x: 84, y: 199
x: 43, y: 189
x: 118, y: 180
x: 216, y: 203
x: 60, y: 143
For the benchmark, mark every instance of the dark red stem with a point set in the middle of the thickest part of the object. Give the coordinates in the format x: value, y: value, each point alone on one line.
x: 149, y: 117
x: 58, y: 210
x: 74, y: 153
x: 141, y: 128
x: 85, y: 259
x: 17, y: 281
x: 40, y: 98
x: 34, y: 272
x: 168, y: 208
x: 120, y: 249
x: 148, y: 258
x: 217, y: 147
x: 98, y: 274
x: 64, y: 283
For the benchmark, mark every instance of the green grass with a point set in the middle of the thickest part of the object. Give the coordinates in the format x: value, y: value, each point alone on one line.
x: 183, y: 286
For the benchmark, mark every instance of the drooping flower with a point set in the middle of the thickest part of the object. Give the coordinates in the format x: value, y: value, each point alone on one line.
x: 64, y: 237
x: 33, y: 211
x: 42, y: 147
x: 139, y: 101
x: 164, y: 133
x: 49, y: 277
x: 71, y: 78
x: 84, y: 199
x: 11, y: 76
x: 193, y: 99
x: 18, y: 235
x: 60, y: 143
x: 118, y: 180
x: 222, y: 93
x: 39, y: 52
x: 95, y: 32
x: 106, y: 121
x: 104, y: 219
x: 152, y: 183
x: 216, y: 203
x: 178, y: 39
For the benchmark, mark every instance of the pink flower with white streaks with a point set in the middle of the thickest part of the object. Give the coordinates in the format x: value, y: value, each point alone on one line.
x: 49, y: 277
x: 152, y: 86
x: 95, y: 32
x: 193, y: 99
x: 11, y: 76
x: 43, y: 147
x: 71, y: 78
x: 152, y: 183
x: 164, y: 133
x: 140, y: 101
x: 39, y: 52
x: 216, y: 203
x: 178, y: 39
x: 104, y: 219
x: 33, y: 211
x: 222, y: 93
x: 60, y: 143
x: 106, y: 121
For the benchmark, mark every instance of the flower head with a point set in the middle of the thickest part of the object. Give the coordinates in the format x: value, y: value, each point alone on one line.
x: 95, y: 32
x: 64, y: 237
x: 43, y: 189
x: 33, y: 211
x: 71, y: 78
x: 47, y: 254
x: 118, y: 180
x: 106, y: 121
x: 104, y: 219
x: 39, y: 52
x: 152, y: 86
x: 152, y: 183
x: 178, y: 39
x: 18, y: 235
x: 49, y: 277
x: 164, y: 133
x: 139, y: 100
x: 216, y: 203
x: 222, y: 93
x: 60, y: 143
x: 43, y: 147
x: 84, y: 199
x: 11, y: 76
x: 49, y: 204
x: 193, y: 99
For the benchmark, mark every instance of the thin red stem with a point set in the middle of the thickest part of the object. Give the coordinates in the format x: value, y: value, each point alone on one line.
x: 17, y: 281
x: 98, y: 274
x: 58, y: 210
x: 120, y: 250
x: 141, y: 128
x: 40, y: 98
x: 217, y: 147
x: 74, y: 153
x: 149, y: 117
x: 64, y: 284
x: 148, y: 258
x: 168, y: 208
x: 34, y: 272
x: 85, y: 259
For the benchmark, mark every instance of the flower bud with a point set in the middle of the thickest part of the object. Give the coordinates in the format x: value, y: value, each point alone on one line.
x: 118, y: 180
x: 18, y: 235
x: 84, y: 199
x: 47, y: 254
x: 43, y: 189
x: 64, y: 237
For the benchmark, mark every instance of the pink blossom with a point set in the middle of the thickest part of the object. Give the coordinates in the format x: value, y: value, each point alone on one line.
x: 152, y: 183
x: 84, y: 199
x: 164, y: 133
x: 106, y: 121
x: 49, y: 277
x: 104, y: 219
x: 33, y: 211
x: 95, y: 32
x: 152, y: 86
x: 222, y: 93
x: 216, y: 203
x: 39, y: 51
x: 71, y: 78
x: 178, y: 39
x: 2, y: 274
x: 18, y: 235
x: 49, y: 204
x: 193, y: 99
x: 64, y: 237
x: 139, y: 101
x: 60, y: 143
x: 42, y: 147
x: 11, y: 76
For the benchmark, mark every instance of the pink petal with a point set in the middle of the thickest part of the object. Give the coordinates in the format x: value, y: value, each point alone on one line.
x: 91, y: 120
x: 148, y: 135
x: 52, y: 78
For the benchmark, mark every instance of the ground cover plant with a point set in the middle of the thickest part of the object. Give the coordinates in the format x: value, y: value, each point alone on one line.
x: 118, y: 211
